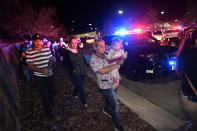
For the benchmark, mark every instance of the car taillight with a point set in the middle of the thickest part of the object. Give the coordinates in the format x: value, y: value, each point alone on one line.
x: 142, y: 55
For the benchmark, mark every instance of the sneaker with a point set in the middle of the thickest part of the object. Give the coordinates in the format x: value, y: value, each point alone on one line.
x: 75, y: 99
x: 54, y: 127
x: 107, y: 113
x: 86, y: 106
x: 119, y: 128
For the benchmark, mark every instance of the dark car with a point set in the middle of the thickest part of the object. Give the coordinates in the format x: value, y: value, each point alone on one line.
x: 146, y: 57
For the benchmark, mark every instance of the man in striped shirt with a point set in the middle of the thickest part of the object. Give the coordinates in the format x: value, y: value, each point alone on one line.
x: 39, y: 59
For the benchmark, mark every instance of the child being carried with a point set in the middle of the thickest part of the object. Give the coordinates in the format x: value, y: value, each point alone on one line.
x: 115, y: 54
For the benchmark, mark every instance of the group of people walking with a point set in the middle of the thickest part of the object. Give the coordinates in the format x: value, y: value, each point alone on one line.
x: 40, y: 60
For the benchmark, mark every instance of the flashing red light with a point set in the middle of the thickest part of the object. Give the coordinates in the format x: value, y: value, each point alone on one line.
x: 137, y: 30
x: 124, y: 32
x: 177, y: 28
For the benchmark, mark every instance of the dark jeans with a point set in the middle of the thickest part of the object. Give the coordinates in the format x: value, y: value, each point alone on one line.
x: 111, y: 104
x: 78, y: 80
x: 46, y: 85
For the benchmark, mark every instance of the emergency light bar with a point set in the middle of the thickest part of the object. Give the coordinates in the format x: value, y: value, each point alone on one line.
x: 126, y: 32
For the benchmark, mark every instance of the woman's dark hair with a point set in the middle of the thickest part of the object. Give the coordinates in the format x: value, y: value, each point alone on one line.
x: 70, y: 39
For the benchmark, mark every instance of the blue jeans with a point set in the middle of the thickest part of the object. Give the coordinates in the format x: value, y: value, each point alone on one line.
x: 78, y: 80
x: 111, y: 104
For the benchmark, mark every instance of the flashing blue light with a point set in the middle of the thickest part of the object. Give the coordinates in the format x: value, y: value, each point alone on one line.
x: 179, y: 27
x: 172, y: 62
x: 122, y: 31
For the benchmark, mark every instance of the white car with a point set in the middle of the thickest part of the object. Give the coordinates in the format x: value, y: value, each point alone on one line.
x: 157, y: 35
x: 171, y: 33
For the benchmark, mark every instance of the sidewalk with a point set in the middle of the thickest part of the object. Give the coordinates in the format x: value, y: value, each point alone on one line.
x: 72, y: 116
x: 159, y: 118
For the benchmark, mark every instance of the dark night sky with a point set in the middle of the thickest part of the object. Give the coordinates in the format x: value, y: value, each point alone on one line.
x: 95, y: 12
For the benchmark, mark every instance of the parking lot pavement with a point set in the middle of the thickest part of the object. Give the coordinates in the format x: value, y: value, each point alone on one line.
x: 164, y: 92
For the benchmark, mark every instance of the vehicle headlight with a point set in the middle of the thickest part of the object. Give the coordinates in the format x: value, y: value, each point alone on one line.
x: 172, y: 62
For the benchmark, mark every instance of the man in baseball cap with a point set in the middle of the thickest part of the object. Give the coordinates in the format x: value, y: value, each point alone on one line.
x: 36, y: 36
x: 39, y: 59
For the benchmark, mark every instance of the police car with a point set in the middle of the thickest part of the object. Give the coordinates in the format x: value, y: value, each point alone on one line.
x: 157, y: 34
x: 146, y: 58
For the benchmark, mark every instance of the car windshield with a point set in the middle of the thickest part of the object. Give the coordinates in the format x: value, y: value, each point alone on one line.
x: 138, y: 40
x: 157, y: 33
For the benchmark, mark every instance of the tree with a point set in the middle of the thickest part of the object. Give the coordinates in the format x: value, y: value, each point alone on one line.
x: 190, y: 17
x: 26, y: 20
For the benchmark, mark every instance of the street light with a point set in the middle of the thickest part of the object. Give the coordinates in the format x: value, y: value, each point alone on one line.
x: 120, y: 12
x: 90, y: 24
x: 162, y: 12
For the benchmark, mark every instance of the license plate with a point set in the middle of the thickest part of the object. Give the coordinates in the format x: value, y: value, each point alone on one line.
x: 149, y: 71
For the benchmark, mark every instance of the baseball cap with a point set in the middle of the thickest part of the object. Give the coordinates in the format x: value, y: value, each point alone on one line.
x: 36, y: 36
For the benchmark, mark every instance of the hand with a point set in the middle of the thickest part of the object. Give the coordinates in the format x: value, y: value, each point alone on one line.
x: 120, y: 62
x: 117, y: 66
x: 46, y: 71
x: 125, y: 55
